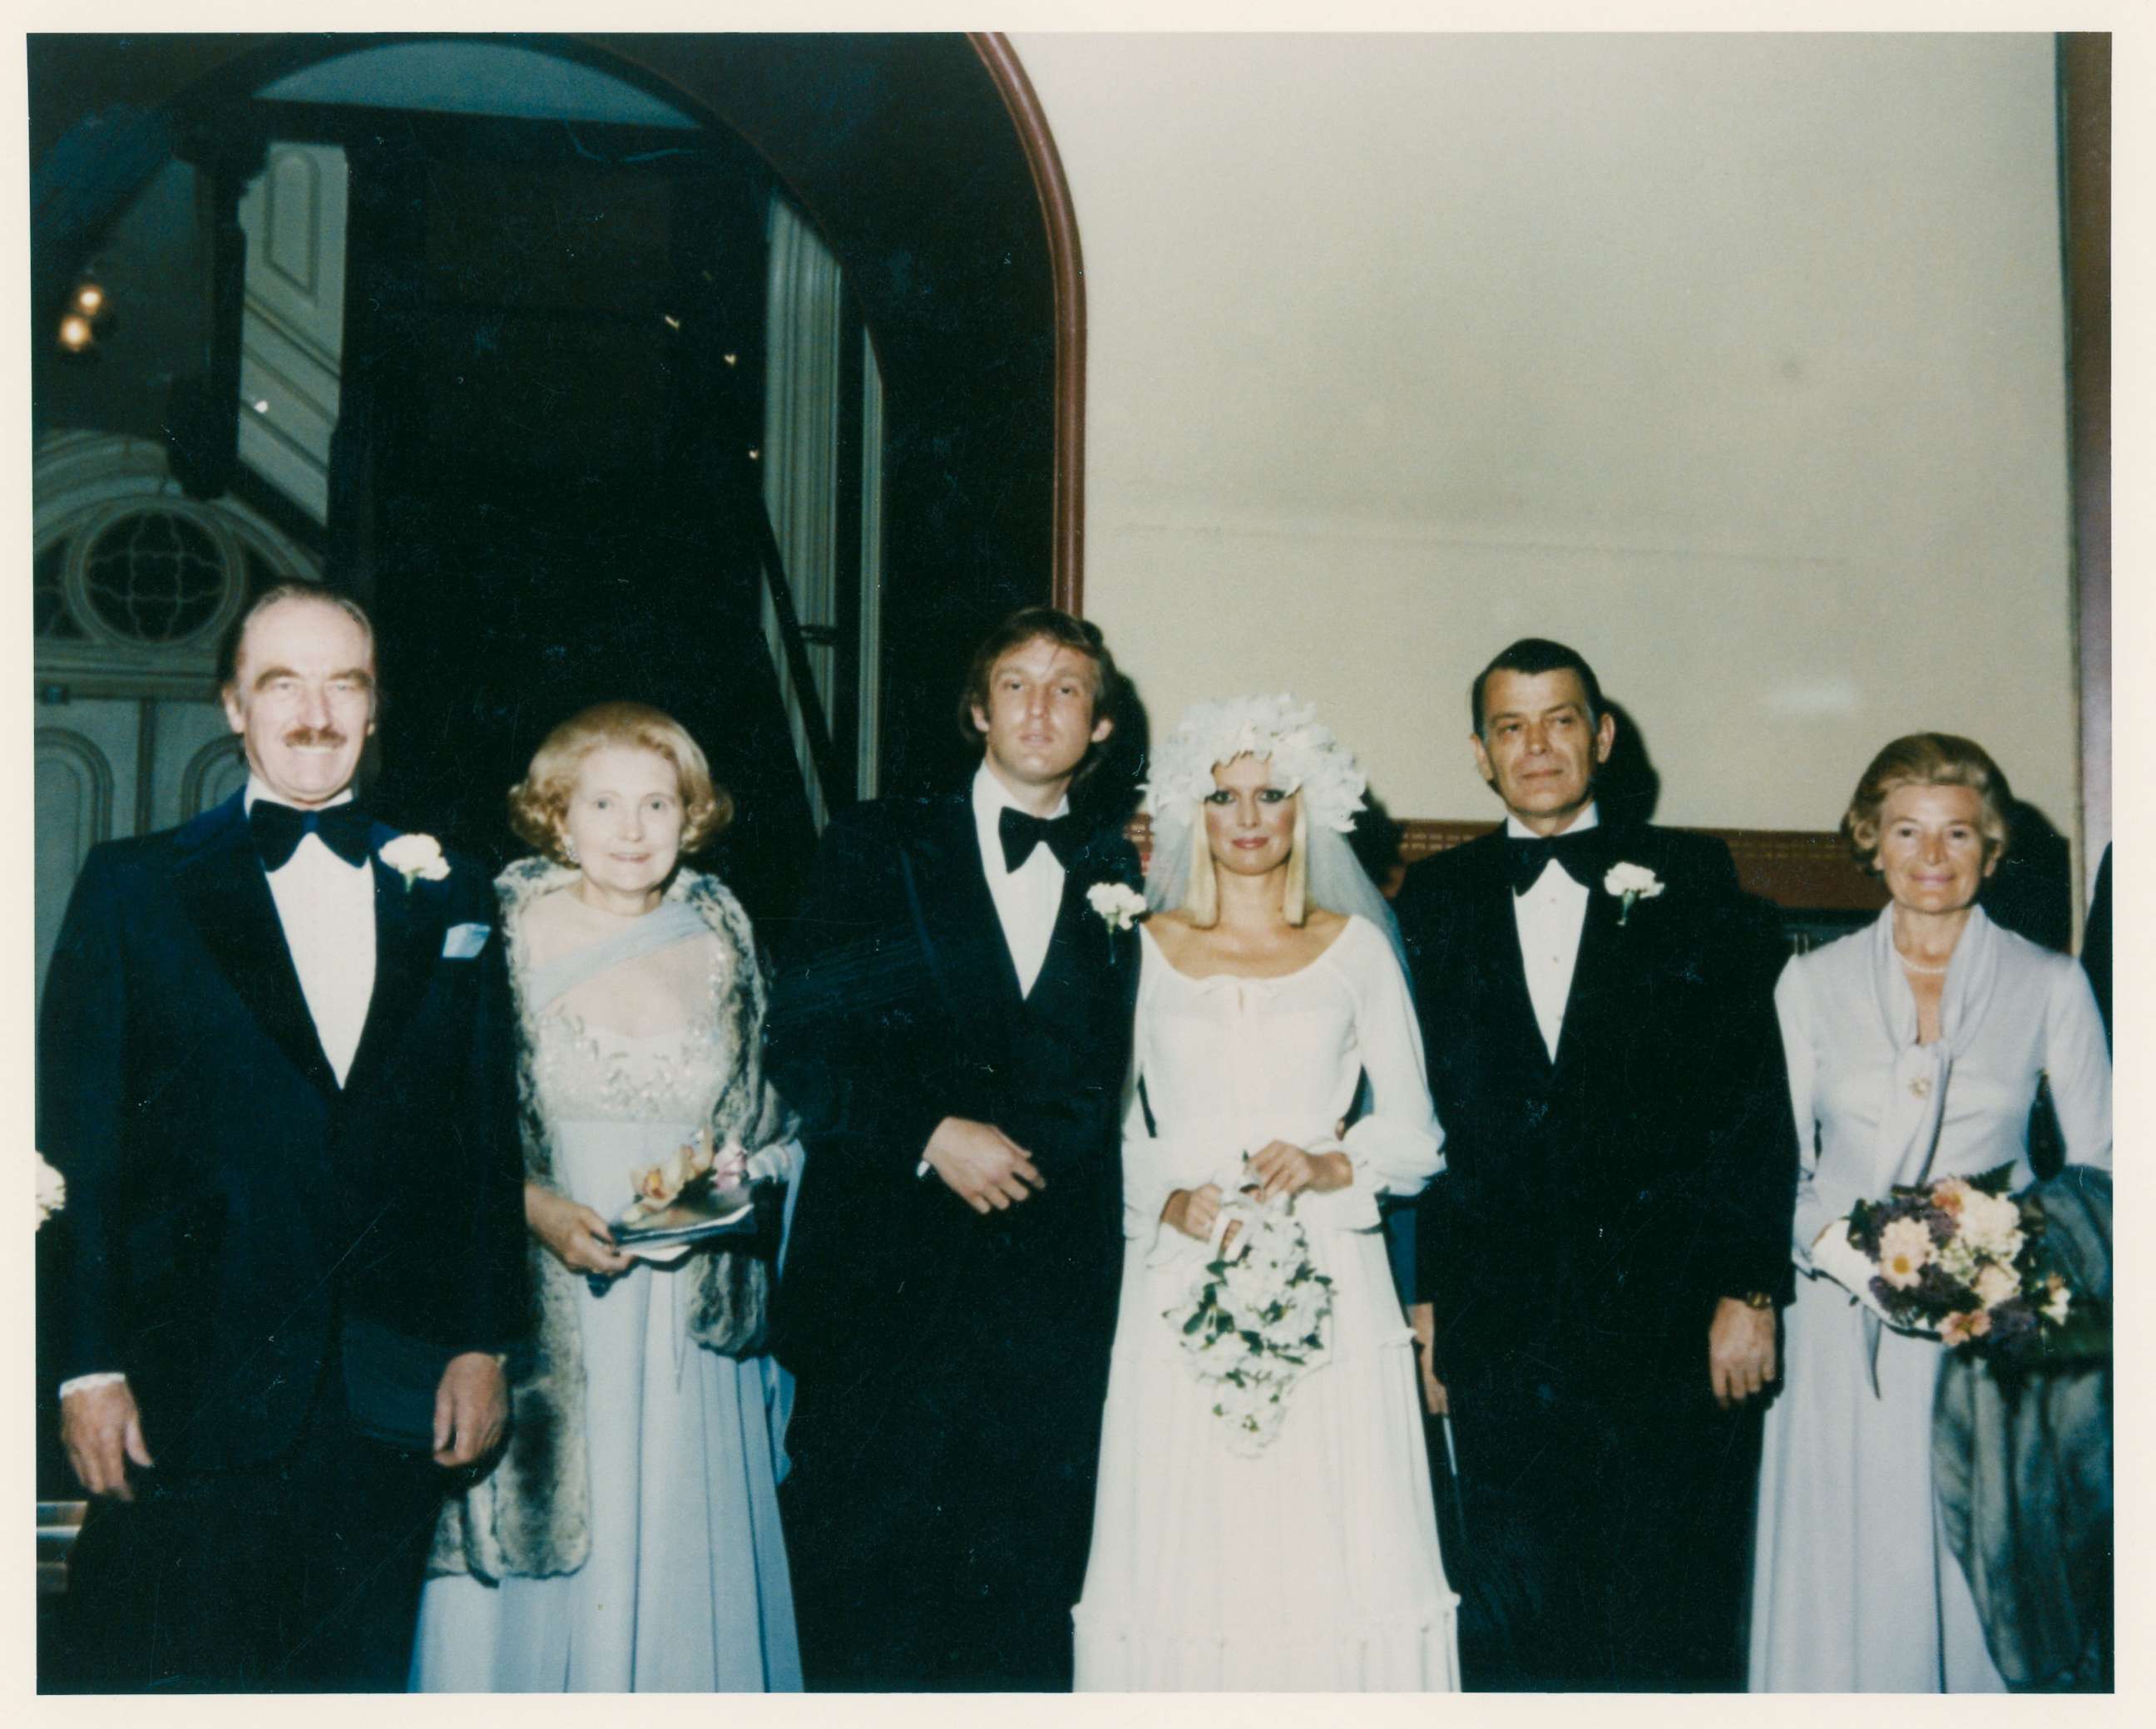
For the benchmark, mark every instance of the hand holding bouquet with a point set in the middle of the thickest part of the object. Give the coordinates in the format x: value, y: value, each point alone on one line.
x: 1254, y: 1321
x: 1961, y: 1261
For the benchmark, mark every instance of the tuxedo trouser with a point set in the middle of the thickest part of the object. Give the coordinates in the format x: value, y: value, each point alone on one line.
x: 1607, y: 1542
x: 928, y: 1555
x: 299, y: 1574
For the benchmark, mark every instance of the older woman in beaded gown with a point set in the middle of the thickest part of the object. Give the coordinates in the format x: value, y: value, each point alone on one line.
x: 629, y: 1539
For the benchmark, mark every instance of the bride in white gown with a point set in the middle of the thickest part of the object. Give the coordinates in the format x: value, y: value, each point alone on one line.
x: 1270, y: 990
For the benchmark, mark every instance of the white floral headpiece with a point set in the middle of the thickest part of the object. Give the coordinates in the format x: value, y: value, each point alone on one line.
x: 1305, y: 758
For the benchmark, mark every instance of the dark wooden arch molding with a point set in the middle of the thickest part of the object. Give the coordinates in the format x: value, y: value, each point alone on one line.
x: 1066, y: 265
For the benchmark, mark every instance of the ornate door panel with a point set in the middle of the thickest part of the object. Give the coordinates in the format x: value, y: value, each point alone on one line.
x: 291, y: 339
x: 134, y: 585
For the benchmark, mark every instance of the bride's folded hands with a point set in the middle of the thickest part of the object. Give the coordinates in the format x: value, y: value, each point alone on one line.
x: 1192, y: 1211
x: 1283, y: 1169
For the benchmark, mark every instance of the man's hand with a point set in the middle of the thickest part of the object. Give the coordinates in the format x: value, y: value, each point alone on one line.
x: 471, y: 1409
x: 1423, y: 1318
x: 981, y: 1165
x: 102, y: 1430
x: 1740, y: 1351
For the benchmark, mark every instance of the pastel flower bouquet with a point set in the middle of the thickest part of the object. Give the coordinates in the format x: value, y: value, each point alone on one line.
x: 1253, y: 1323
x: 1962, y: 1260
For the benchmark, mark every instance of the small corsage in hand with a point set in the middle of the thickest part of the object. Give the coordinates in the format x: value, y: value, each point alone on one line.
x: 1962, y: 1261
x: 659, y: 1186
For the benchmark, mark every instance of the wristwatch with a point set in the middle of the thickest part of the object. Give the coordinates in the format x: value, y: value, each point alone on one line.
x: 1761, y: 1300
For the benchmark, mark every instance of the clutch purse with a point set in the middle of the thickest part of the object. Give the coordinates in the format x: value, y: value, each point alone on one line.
x: 390, y: 1380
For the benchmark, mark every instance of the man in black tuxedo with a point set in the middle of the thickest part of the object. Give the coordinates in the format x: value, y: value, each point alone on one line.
x: 953, y: 1021
x: 272, y: 1067
x: 1599, y: 1266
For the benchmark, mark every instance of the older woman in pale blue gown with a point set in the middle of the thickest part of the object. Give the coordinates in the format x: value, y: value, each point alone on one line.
x: 1915, y: 1048
x: 630, y: 1538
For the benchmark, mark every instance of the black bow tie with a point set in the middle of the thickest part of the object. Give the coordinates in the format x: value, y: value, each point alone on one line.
x: 278, y: 830
x: 1021, y: 834
x: 1527, y: 855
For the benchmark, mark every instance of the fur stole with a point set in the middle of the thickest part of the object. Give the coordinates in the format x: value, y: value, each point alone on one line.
x: 530, y: 1514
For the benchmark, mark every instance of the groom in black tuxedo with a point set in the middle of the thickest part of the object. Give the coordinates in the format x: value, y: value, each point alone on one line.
x: 1599, y: 1265
x: 273, y: 1069
x: 953, y: 1021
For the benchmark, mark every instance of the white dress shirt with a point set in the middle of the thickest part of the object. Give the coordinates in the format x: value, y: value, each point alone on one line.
x: 326, y: 907
x: 1550, y: 915
x: 1027, y: 898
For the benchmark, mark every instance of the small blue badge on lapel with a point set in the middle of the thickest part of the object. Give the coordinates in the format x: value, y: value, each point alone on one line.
x: 462, y: 941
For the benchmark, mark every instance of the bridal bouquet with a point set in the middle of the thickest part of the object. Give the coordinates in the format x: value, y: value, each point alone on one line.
x: 1962, y: 1260
x: 1253, y: 1323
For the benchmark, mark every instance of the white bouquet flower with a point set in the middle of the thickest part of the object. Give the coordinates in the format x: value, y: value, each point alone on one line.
x: 1254, y: 1321
x: 52, y: 1190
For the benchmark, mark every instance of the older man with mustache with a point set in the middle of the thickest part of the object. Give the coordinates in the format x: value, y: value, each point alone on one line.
x: 273, y: 1069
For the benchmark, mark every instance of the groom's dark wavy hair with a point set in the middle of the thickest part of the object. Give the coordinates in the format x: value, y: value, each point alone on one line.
x: 1533, y: 655
x: 1064, y: 630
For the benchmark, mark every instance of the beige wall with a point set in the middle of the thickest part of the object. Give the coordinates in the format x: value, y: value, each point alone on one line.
x: 1735, y: 362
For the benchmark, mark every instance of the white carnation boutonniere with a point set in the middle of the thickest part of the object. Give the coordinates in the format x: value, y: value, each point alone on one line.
x: 1119, y: 907
x: 1629, y: 883
x: 415, y: 857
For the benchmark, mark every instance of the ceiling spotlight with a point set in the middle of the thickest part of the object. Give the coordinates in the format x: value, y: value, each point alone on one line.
x: 89, y: 300
x: 672, y: 322
x: 730, y: 358
x: 755, y: 455
x: 76, y: 333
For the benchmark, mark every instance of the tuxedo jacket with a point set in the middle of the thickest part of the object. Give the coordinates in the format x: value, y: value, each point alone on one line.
x: 897, y: 1005
x: 1595, y: 1208
x: 229, y: 1206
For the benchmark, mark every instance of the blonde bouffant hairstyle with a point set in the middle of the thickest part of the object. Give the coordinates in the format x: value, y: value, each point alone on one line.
x: 1201, y: 899
x: 539, y: 803
x: 1927, y: 759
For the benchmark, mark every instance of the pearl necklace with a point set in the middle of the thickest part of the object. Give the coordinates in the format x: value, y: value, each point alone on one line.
x: 1918, y: 967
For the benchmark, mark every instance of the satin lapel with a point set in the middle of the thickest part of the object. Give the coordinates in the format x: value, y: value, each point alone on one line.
x: 227, y: 898
x: 960, y: 932
x: 408, y: 940
x: 1501, y: 969
x: 1081, y: 936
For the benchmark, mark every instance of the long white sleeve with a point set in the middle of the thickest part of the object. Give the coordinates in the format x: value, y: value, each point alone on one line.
x: 1793, y: 1008
x: 1397, y: 1146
